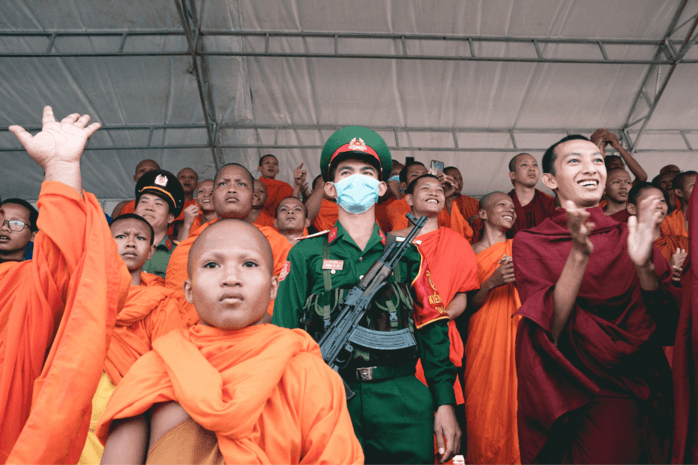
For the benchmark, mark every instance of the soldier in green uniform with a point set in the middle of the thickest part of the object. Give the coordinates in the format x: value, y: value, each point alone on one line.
x: 392, y: 412
x: 159, y: 199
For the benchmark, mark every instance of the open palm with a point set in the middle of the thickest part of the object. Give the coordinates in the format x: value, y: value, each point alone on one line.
x: 58, y: 142
x: 641, y: 232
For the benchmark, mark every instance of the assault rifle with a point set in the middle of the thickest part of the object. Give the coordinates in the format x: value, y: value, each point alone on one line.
x: 335, y: 344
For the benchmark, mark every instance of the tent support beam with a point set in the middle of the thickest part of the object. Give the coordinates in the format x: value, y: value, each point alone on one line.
x: 192, y: 31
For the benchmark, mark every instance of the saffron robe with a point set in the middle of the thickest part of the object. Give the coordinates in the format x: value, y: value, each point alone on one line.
x: 453, y: 269
x: 263, y: 390
x: 610, y: 349
x: 398, y: 209
x: 541, y: 207
x: 129, y: 208
x: 57, y: 315
x: 276, y: 192
x: 674, y: 224
x: 326, y: 217
x: 490, y: 371
x: 685, y: 448
x: 468, y: 206
x: 264, y: 220
x: 668, y: 244
x: 382, y: 214
x: 177, y: 267
x: 151, y: 311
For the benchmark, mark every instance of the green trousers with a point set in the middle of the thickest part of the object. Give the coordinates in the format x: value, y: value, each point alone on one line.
x: 394, y: 420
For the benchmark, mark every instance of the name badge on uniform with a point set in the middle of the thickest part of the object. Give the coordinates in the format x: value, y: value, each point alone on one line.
x: 334, y: 265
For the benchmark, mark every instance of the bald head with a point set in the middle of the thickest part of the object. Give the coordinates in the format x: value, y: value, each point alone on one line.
x: 219, y: 235
x: 487, y: 200
x: 671, y: 169
x: 144, y: 167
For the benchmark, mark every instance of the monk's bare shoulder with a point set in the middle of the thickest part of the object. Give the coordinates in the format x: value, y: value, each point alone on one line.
x: 119, y: 206
x: 164, y: 417
x: 479, y: 247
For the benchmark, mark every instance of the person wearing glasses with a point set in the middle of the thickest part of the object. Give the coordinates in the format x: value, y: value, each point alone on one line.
x: 18, y: 229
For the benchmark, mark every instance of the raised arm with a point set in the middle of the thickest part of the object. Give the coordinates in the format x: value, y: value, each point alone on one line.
x: 609, y: 138
x: 314, y: 202
x: 59, y: 146
x: 641, y: 242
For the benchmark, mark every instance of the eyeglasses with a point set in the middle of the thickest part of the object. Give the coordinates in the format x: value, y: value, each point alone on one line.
x: 14, y: 225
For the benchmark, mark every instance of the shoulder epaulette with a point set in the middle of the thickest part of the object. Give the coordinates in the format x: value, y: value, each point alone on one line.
x: 314, y: 235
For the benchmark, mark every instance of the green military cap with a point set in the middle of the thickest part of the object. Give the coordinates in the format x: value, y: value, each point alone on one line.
x: 165, y: 185
x: 353, y: 140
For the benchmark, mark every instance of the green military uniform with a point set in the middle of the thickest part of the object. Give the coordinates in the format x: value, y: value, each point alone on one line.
x: 393, y: 412
x: 157, y: 264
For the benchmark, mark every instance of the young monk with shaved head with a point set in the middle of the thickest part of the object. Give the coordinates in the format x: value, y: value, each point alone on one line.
x: 532, y: 206
x: 618, y: 185
x: 204, y: 213
x: 292, y: 219
x: 259, y: 198
x: 129, y: 206
x: 230, y: 389
x: 675, y: 224
x: 232, y: 199
x: 594, y: 383
x: 490, y: 373
x: 189, y: 179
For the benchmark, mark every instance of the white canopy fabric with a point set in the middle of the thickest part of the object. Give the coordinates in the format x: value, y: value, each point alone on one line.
x: 467, y: 113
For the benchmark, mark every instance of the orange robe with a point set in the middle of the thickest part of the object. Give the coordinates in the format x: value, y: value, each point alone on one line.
x: 129, y: 208
x: 264, y: 220
x: 382, y: 214
x: 171, y: 227
x: 668, y: 244
x: 490, y: 369
x: 57, y: 314
x: 674, y: 224
x: 399, y: 208
x: 263, y: 390
x: 326, y: 217
x: 276, y: 192
x: 177, y: 267
x: 453, y: 269
x: 468, y: 206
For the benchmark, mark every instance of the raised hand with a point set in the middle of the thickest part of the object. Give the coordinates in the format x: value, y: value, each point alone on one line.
x: 641, y: 231
x: 299, y: 175
x: 190, y: 213
x: 504, y: 274
x: 579, y: 229
x: 449, y: 184
x: 57, y: 143
x: 676, y: 263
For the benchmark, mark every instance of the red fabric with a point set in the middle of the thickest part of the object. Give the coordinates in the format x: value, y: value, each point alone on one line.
x: 382, y: 214
x: 57, y: 314
x: 453, y: 269
x: 326, y: 217
x: 612, y: 341
x: 276, y: 192
x: 541, y: 207
x: 468, y: 206
x: 685, y: 448
x: 151, y: 311
x: 621, y: 216
x: 263, y: 390
x: 264, y: 220
x: 129, y: 208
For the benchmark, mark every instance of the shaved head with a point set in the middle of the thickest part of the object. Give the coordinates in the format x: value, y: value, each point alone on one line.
x: 228, y: 165
x: 247, y: 236
x: 144, y: 167
x: 487, y: 200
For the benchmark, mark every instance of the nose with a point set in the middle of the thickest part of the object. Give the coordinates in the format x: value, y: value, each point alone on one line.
x: 231, y: 276
x: 588, y: 166
x: 5, y: 224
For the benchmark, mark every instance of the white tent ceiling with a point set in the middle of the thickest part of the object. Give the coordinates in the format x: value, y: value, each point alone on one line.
x: 467, y: 82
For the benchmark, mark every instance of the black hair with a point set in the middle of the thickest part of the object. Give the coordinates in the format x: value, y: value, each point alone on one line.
x: 550, y: 156
x: 512, y: 162
x: 609, y: 158
x: 370, y: 159
x: 413, y: 184
x: 133, y: 216
x: 677, y: 183
x: 638, y: 189
x: 234, y: 164
x: 403, y: 171
x: 33, y: 212
x: 265, y: 156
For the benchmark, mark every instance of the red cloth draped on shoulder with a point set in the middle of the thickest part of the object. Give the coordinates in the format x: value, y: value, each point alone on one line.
x: 685, y: 448
x: 674, y: 224
x: 621, y: 216
x: 541, y: 207
x: 468, y: 206
x: 57, y: 314
x: 327, y: 216
x: 453, y: 269
x: 264, y: 220
x: 177, y: 268
x: 612, y: 342
x: 382, y: 214
x: 490, y: 371
x: 276, y: 192
x: 151, y: 311
x: 263, y: 390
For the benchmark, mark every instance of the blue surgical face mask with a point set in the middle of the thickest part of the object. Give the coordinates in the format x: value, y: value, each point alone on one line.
x: 357, y: 193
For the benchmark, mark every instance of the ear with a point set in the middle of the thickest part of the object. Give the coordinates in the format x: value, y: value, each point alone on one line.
x: 188, y: 291
x: 549, y: 181
x: 259, y: 169
x: 34, y: 235
x: 276, y: 223
x: 382, y: 188
x: 631, y: 209
x: 151, y: 252
x: 409, y: 199
x: 170, y: 218
x: 512, y: 175
x: 403, y: 186
x: 134, y: 178
x: 274, y: 287
x: 482, y: 213
x: 330, y: 190
x: 307, y: 222
x: 678, y: 193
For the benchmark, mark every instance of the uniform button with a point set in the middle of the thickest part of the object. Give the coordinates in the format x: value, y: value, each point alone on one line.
x: 361, y: 277
x: 361, y: 259
x: 333, y: 271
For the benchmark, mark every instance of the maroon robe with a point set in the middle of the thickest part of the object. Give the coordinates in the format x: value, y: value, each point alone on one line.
x: 621, y: 216
x: 608, y: 366
x: 541, y: 207
x: 685, y: 448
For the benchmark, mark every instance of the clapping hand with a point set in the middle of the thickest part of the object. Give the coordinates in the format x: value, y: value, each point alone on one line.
x: 641, y: 231
x: 579, y: 228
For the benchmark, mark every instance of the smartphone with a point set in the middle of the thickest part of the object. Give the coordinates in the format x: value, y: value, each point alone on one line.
x: 437, y: 167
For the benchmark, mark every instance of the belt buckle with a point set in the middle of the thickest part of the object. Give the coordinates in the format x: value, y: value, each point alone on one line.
x: 364, y: 374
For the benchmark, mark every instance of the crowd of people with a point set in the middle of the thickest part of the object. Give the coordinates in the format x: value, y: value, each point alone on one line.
x: 183, y: 327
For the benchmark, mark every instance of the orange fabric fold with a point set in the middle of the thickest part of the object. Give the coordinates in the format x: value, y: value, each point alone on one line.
x: 674, y: 224
x: 63, y: 301
x: 668, y: 244
x: 177, y: 268
x: 326, y: 217
x: 382, y: 214
x: 490, y: 369
x: 263, y: 390
x: 459, y: 224
x: 468, y: 206
x: 276, y: 192
x: 453, y: 270
x: 129, y: 208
